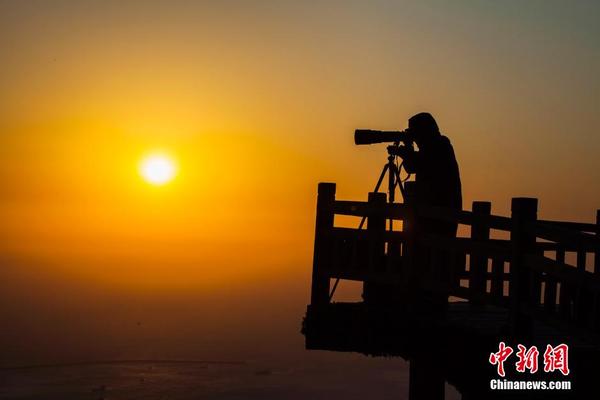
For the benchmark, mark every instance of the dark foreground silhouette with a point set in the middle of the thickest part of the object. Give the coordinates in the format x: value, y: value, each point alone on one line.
x: 446, y: 303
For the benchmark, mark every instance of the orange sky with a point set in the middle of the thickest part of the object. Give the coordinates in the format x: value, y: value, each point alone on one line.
x: 257, y: 103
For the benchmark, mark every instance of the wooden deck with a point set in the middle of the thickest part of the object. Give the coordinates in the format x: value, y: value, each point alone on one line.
x: 526, y: 290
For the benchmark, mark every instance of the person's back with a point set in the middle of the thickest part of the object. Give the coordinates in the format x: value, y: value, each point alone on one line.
x: 438, y: 179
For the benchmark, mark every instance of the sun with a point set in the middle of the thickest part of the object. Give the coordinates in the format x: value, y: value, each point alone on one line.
x: 157, y: 169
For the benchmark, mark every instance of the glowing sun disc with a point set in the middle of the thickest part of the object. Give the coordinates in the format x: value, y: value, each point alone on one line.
x: 157, y: 169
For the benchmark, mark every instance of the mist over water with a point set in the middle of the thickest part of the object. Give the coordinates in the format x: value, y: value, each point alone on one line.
x: 67, y: 339
x: 50, y: 318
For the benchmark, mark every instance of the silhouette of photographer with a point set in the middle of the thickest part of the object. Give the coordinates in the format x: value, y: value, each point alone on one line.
x: 437, y: 177
x: 437, y: 184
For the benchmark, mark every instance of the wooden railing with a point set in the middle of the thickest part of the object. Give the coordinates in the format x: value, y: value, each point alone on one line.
x: 531, y: 273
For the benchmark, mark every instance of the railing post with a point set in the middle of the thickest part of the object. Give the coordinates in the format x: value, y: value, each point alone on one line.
x: 322, y: 250
x: 480, y: 232
x: 522, y: 237
x: 376, y: 292
x: 376, y: 228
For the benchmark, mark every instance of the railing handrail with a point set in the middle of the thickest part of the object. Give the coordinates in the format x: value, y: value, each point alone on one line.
x: 576, y: 226
x: 560, y: 234
x: 401, y: 211
x: 572, y: 235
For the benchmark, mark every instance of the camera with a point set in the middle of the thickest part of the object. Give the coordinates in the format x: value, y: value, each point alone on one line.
x: 369, y: 136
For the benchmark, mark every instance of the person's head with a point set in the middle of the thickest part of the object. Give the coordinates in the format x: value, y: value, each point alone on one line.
x: 423, y: 128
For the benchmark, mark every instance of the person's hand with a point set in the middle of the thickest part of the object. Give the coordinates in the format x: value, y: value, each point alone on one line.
x: 393, y: 150
x: 400, y: 151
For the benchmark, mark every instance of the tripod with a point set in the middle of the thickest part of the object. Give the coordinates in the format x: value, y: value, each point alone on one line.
x: 393, y: 171
x: 394, y: 181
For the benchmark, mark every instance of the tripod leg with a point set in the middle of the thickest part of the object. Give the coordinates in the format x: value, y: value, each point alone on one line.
x: 377, y: 186
x: 385, y: 169
x: 391, y: 181
x: 399, y: 182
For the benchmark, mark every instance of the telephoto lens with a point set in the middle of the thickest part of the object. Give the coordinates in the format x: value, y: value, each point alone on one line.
x: 370, y: 136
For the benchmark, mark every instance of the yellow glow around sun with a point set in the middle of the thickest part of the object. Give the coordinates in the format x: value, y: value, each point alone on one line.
x: 157, y: 169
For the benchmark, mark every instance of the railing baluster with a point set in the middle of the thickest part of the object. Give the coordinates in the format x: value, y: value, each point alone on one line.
x: 497, y: 284
x: 536, y: 284
x: 550, y: 294
x: 564, y: 301
x: 376, y: 229
x: 480, y: 232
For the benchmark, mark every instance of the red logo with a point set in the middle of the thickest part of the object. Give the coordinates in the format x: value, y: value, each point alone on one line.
x: 498, y: 358
x: 555, y: 358
x: 528, y: 359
